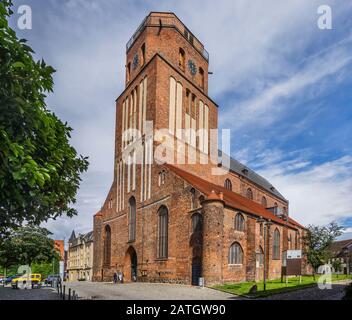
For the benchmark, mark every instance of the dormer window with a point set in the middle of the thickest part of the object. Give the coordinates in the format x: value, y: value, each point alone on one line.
x: 182, y: 59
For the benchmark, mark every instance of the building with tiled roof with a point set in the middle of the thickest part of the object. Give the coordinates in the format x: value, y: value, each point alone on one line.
x: 178, y: 209
x: 342, y: 250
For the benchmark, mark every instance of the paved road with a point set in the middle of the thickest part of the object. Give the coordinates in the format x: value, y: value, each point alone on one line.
x: 155, y: 291
x: 144, y: 291
x: 7, y: 293
x: 335, y: 293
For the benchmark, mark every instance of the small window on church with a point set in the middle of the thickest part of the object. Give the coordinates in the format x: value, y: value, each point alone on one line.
x: 201, y: 74
x: 162, y: 178
x: 239, y: 222
x: 189, y: 101
x: 182, y: 59
x: 143, y: 54
x: 129, y: 71
x: 264, y: 202
x: 249, y: 194
x: 193, y: 108
x: 228, y: 184
x: 191, y: 38
x: 193, y: 199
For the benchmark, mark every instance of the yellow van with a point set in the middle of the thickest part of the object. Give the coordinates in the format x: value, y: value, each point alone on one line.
x: 36, y: 279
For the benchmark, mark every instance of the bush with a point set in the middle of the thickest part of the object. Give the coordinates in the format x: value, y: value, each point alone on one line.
x: 348, y: 292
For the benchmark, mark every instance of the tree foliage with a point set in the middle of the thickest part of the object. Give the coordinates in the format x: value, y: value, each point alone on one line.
x: 27, y: 245
x: 337, y: 265
x: 39, y: 169
x: 317, y: 242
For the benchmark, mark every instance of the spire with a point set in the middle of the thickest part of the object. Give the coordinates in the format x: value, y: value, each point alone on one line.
x: 72, y: 237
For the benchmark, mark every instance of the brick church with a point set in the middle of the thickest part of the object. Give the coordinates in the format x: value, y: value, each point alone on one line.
x: 173, y: 213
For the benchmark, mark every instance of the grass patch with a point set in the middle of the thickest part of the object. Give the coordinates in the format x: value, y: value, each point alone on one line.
x: 274, y: 286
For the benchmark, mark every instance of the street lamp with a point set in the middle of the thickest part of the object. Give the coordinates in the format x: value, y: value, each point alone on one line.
x: 266, y: 226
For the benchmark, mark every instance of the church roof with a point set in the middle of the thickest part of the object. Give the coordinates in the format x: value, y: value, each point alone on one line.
x: 252, y: 176
x: 231, y: 199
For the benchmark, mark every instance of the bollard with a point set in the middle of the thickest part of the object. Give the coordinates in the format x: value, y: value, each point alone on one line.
x: 69, y: 293
x: 60, y: 290
x: 73, y: 295
x: 63, y: 294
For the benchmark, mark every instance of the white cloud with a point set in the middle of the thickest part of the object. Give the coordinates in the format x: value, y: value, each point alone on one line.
x: 266, y: 107
x: 318, y: 195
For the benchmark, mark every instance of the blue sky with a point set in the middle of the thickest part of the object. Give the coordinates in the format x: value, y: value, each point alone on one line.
x: 283, y: 87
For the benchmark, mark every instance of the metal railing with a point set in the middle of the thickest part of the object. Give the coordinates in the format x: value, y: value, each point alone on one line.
x: 168, y: 21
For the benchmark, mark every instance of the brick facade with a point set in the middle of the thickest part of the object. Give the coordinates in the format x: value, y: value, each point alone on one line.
x: 183, y: 190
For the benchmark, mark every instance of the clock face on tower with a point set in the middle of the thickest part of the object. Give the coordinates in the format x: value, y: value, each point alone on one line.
x: 135, y: 62
x: 192, y: 67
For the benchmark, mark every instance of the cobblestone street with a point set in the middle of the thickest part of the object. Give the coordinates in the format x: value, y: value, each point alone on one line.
x: 155, y: 291
x: 7, y: 293
x: 145, y: 291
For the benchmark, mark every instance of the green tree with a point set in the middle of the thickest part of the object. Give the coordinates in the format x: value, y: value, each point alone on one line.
x: 9, y: 256
x: 317, y: 242
x: 39, y: 169
x: 337, y: 265
x: 27, y: 245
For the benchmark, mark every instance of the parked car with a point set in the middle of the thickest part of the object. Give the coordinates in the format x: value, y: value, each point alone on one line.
x: 52, y: 278
x: 36, y: 279
x: 9, y: 279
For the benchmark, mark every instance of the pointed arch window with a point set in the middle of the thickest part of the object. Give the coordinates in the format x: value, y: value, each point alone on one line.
x: 264, y: 202
x: 197, y: 222
x: 182, y: 59
x: 228, y: 184
x: 132, y: 220
x: 276, y: 245
x: 249, y: 194
x: 143, y: 54
x: 128, y: 71
x: 162, y: 178
x: 236, y: 254
x: 193, y: 199
x: 201, y: 74
x: 107, y: 245
x: 239, y: 222
x: 163, y: 225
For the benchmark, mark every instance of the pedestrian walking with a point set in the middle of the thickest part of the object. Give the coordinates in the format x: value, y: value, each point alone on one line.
x: 115, y: 277
x: 121, y: 277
